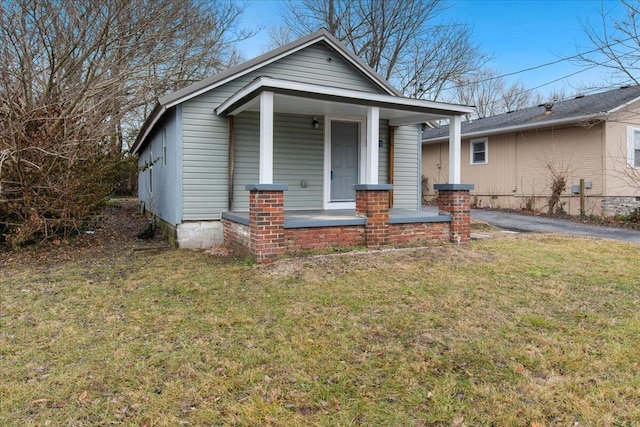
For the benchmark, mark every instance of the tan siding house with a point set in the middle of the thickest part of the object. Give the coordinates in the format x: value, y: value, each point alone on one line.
x: 517, y: 154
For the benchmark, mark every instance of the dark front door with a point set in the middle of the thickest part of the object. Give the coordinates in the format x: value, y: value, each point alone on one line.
x: 344, y: 160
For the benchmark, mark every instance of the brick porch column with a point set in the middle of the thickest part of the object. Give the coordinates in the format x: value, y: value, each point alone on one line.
x: 266, y: 221
x: 454, y: 199
x: 372, y: 202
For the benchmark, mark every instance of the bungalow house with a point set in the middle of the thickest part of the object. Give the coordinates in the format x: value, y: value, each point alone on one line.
x: 303, y: 147
x: 512, y: 158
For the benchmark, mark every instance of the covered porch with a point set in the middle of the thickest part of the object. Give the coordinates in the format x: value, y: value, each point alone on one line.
x: 356, y: 208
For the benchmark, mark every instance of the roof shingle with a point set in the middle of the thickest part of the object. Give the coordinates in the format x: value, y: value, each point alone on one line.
x: 577, y: 108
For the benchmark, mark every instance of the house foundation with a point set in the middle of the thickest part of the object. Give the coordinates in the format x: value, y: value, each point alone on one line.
x: 612, y: 206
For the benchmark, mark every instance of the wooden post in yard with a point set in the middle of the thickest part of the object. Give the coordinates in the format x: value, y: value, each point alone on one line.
x: 582, y: 197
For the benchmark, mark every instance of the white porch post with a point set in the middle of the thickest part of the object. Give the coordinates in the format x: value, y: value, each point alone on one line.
x: 266, y: 138
x: 373, y: 135
x: 455, y: 147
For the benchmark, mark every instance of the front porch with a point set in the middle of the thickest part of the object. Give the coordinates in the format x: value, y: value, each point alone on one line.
x: 267, y: 231
x: 343, y: 172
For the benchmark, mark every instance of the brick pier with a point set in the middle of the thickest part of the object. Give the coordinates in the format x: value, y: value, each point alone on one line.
x: 266, y: 221
x: 372, y: 203
x: 454, y: 199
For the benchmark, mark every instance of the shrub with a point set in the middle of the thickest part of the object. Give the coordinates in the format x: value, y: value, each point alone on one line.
x: 54, y: 174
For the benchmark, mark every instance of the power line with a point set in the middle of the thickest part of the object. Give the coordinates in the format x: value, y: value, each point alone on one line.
x: 561, y: 78
x: 547, y: 64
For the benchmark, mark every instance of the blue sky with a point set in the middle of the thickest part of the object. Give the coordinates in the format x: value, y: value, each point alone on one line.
x: 518, y: 34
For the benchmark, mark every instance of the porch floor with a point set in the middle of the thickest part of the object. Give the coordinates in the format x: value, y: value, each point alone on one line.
x: 344, y: 217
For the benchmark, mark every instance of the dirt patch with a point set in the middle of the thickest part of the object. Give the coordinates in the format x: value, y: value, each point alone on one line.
x: 114, y: 233
x: 332, y: 265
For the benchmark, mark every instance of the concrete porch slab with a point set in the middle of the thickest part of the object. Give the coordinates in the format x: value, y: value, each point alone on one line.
x: 344, y: 217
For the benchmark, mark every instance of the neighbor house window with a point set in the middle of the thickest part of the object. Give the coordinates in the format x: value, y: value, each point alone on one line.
x: 633, y: 147
x: 479, y: 151
x: 164, y: 147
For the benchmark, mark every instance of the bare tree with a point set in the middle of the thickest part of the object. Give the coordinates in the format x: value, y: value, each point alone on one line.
x: 615, y: 46
x: 75, y: 79
x: 403, y: 40
x: 615, y: 42
x: 279, y: 35
x: 515, y: 96
x: 491, y: 94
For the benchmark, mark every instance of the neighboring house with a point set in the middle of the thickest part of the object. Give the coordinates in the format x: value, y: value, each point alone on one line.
x: 303, y: 147
x: 511, y: 158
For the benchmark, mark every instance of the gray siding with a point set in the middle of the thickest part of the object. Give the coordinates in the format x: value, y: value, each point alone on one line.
x: 205, y: 135
x: 179, y: 152
x: 143, y: 177
x: 383, y: 162
x: 205, y: 161
x: 161, y: 196
x: 246, y: 141
x: 298, y: 156
x: 405, y: 186
x: 311, y: 65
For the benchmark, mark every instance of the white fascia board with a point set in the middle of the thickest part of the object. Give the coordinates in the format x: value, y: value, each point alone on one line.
x: 268, y: 83
x: 489, y: 132
x: 170, y: 101
x: 234, y: 76
x: 156, y: 118
x: 417, y: 119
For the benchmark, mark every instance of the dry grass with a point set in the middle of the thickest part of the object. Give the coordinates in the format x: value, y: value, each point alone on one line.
x: 517, y: 331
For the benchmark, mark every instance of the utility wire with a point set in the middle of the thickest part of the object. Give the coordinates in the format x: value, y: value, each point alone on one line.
x: 547, y: 64
x: 583, y: 92
x: 496, y: 101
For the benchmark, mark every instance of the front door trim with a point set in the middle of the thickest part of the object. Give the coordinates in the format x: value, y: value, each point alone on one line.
x: 327, y: 203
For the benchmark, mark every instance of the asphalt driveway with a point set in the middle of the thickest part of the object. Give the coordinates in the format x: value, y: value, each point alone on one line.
x: 541, y: 224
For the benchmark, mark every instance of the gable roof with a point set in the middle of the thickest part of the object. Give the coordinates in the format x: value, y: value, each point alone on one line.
x: 191, y: 91
x: 580, y: 108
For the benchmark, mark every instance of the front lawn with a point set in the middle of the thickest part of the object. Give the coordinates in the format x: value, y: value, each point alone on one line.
x: 523, y: 330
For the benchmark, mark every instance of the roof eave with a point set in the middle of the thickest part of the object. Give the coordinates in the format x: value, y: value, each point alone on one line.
x: 157, y: 113
x: 516, y: 128
x: 272, y: 56
x: 238, y: 101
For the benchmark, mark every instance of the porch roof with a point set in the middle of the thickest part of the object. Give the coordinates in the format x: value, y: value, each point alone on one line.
x: 311, y: 99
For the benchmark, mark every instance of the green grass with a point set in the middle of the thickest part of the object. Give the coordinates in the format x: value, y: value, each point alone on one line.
x: 537, y: 331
